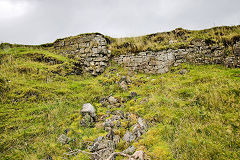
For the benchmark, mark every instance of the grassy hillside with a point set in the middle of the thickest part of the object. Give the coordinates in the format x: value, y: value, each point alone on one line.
x: 192, y: 116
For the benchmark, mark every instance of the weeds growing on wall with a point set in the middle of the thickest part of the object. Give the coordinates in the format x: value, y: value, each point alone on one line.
x: 176, y: 39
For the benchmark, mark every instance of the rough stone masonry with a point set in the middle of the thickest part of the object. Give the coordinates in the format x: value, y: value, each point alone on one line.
x: 91, y: 50
x: 197, y: 53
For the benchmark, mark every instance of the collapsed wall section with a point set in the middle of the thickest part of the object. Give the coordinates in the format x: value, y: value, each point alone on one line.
x: 89, y: 49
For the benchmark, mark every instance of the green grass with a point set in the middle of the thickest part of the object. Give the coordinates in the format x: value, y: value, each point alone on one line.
x: 191, y: 116
x: 181, y: 38
x: 31, y: 53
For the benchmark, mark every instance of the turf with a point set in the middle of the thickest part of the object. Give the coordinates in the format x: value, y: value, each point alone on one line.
x: 191, y: 116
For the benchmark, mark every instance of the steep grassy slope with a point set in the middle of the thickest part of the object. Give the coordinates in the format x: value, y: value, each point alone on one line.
x: 191, y: 116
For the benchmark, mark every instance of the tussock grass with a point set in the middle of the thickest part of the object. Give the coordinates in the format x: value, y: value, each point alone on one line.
x: 191, y: 116
x: 176, y: 39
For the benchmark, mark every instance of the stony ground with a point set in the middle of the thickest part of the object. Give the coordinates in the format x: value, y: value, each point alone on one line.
x: 49, y: 112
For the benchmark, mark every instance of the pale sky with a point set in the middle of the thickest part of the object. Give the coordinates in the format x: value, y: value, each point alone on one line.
x: 43, y: 21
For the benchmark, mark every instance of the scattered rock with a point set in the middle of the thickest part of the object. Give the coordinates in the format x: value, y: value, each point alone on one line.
x: 102, y: 154
x: 132, y: 95
x: 110, y: 135
x: 142, y: 123
x: 118, y: 124
x: 129, y: 137
x: 100, y: 138
x: 87, y: 121
x: 89, y: 115
x: 115, y: 117
x: 63, y: 139
x: 88, y: 109
x: 183, y: 71
x: 107, y: 129
x: 112, y: 122
x: 139, y: 155
x: 103, y: 117
x: 104, y: 101
x: 110, y: 106
x: 119, y: 113
x: 127, y: 116
x: 116, y: 139
x: 130, y: 150
x: 123, y: 85
x: 108, y: 123
x: 103, y: 147
x: 112, y: 100
x: 125, y: 79
x: 102, y: 144
x: 139, y: 128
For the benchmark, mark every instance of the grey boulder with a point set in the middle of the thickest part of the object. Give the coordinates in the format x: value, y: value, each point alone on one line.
x: 130, y: 150
x: 63, y: 139
x: 129, y: 137
x: 112, y: 100
x: 88, y: 109
x: 123, y: 85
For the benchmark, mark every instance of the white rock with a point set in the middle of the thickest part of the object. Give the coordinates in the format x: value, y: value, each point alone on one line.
x: 88, y: 108
x: 112, y: 100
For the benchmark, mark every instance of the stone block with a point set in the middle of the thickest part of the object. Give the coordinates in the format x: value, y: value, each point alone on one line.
x: 153, y: 63
x: 103, y: 64
x: 138, y: 60
x: 89, y: 59
x: 87, y: 50
x: 82, y: 50
x: 126, y: 59
x: 99, y: 59
x: 236, y: 49
x: 92, y: 64
x: 163, y: 70
x: 142, y: 54
x: 95, y: 50
x: 162, y: 57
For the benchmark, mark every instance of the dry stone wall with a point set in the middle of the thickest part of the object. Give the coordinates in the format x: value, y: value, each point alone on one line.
x: 235, y: 60
x: 148, y: 62
x: 89, y: 49
x: 162, y: 61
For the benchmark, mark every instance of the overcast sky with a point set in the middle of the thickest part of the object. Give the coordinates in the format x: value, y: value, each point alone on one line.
x: 42, y: 21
